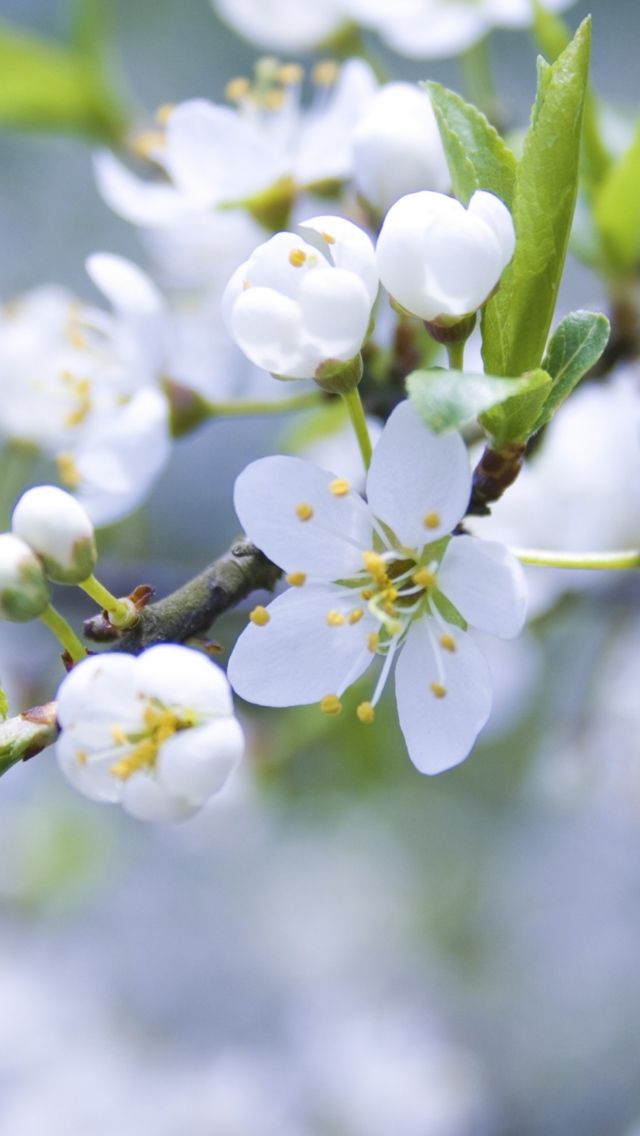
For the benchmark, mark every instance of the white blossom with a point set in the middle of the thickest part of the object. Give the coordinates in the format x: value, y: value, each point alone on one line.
x: 378, y: 578
x: 59, y: 531
x: 440, y: 260
x: 154, y: 732
x: 24, y: 591
x: 397, y: 147
x: 292, y: 310
x: 283, y: 25
x: 76, y: 381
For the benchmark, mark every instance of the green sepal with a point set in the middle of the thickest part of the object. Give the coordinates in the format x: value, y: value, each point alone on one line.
x: 575, y: 347
x: 445, y: 400
x: 477, y: 156
x: 4, y: 704
x: 517, y: 319
x: 447, y: 610
x: 514, y: 421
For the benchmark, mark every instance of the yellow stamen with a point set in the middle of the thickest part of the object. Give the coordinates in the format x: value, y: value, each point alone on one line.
x: 164, y: 112
x: 82, y: 757
x: 246, y: 285
x: 297, y: 257
x: 296, y: 579
x: 304, y: 512
x: 237, y: 89
x: 335, y: 618
x: 260, y: 616
x: 448, y: 642
x: 340, y: 487
x: 148, y: 141
x: 328, y: 238
x: 331, y: 704
x: 143, y: 755
x: 274, y: 100
x: 325, y: 73
x: 356, y: 615
x: 68, y: 470
x: 373, y: 641
x: 438, y: 690
x: 432, y: 520
x: 365, y: 712
x: 367, y: 594
x: 424, y: 578
x: 290, y: 73
x: 83, y: 393
x: 376, y: 566
x: 119, y: 736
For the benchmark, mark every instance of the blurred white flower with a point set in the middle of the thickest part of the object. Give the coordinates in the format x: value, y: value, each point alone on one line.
x: 439, y: 260
x: 59, y: 531
x: 369, y: 580
x: 397, y: 147
x: 283, y: 25
x: 75, y: 381
x: 291, y: 310
x: 154, y: 732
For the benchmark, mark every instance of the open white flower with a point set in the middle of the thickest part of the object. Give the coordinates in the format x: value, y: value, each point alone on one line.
x: 397, y: 147
x: 440, y: 260
x: 154, y: 732
x: 291, y: 310
x: 73, y: 378
x: 382, y: 578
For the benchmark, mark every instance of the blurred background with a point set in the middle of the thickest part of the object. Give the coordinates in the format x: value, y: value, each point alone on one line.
x: 336, y: 946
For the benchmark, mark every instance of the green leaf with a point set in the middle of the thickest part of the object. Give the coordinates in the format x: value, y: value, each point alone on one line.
x: 477, y: 156
x: 617, y: 210
x: 516, y: 321
x: 445, y: 400
x: 550, y: 30
x: 48, y: 86
x: 4, y: 704
x: 514, y: 421
x: 576, y: 345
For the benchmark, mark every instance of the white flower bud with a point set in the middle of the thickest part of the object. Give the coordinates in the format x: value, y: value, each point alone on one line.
x: 291, y: 310
x: 397, y: 147
x: 441, y: 261
x: 24, y: 591
x: 59, y: 531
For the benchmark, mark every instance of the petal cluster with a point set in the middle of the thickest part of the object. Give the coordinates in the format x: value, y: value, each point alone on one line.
x: 155, y: 733
x: 378, y: 579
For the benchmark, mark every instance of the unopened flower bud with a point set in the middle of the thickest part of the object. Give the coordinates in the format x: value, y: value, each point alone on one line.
x: 24, y: 591
x: 59, y: 531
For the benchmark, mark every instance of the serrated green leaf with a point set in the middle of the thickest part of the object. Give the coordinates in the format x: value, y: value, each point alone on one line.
x: 617, y: 210
x: 516, y: 321
x: 576, y: 345
x: 477, y: 156
x: 514, y: 421
x: 4, y: 704
x: 445, y: 400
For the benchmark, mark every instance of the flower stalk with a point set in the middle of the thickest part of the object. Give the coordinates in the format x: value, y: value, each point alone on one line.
x: 353, y: 403
x: 63, y: 633
x: 588, y: 560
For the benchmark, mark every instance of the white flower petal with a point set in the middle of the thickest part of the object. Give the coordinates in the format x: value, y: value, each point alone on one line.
x: 283, y: 25
x: 486, y: 584
x: 440, y: 30
x: 101, y: 684
x: 349, y: 247
x: 297, y: 658
x: 270, y: 265
x: 144, y: 798
x: 196, y: 763
x: 327, y: 546
x: 93, y: 779
x: 335, y: 310
x: 177, y: 675
x: 415, y: 473
x: 267, y: 326
x: 440, y: 732
x: 325, y: 148
x: 141, y: 202
x: 496, y: 215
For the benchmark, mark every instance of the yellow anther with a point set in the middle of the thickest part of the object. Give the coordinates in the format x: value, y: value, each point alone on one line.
x: 448, y: 642
x: 237, y: 89
x: 297, y: 257
x: 68, y: 470
x: 389, y: 608
x: 373, y: 641
x: 325, y: 73
x: 81, y: 757
x: 304, y: 512
x: 432, y: 520
x: 328, y: 238
x: 143, y: 755
x: 246, y: 285
x: 83, y: 393
x: 331, y: 704
x: 335, y: 618
x: 365, y: 712
x: 290, y: 74
x: 164, y: 112
x: 356, y: 615
x: 260, y: 616
x: 424, y: 578
x: 147, y: 142
x: 274, y: 99
x: 367, y: 594
x: 296, y: 579
x: 339, y: 487
x: 438, y: 690
x: 118, y: 735
x: 376, y: 566
x: 75, y: 338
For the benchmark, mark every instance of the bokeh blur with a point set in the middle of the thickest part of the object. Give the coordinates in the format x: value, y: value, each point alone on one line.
x: 336, y: 945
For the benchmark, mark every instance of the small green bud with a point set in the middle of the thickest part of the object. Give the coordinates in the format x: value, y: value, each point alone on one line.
x: 24, y: 591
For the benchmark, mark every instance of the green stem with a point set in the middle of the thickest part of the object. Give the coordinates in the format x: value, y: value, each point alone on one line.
x: 104, y: 598
x: 58, y: 624
x: 354, y: 406
x: 279, y: 406
x: 455, y: 351
x: 591, y: 560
